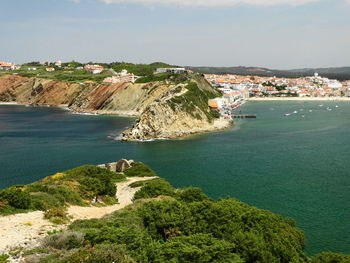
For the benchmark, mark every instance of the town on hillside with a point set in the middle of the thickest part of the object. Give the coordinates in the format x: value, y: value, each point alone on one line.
x: 237, y: 89
x: 87, y: 74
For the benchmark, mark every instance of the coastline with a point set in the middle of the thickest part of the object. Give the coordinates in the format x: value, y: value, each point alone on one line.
x: 217, y: 126
x: 300, y: 99
x: 65, y: 107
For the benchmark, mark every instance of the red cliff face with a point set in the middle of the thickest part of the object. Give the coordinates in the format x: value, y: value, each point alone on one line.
x: 149, y: 102
x: 24, y: 90
x: 121, y: 98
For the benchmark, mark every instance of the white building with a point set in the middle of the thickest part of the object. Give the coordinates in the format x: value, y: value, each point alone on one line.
x: 122, y: 77
x: 334, y: 84
x: 7, y: 66
x: 58, y: 63
x: 170, y: 70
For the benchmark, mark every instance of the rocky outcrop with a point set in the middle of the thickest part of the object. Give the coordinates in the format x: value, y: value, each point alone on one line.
x: 181, y: 112
x: 160, y: 121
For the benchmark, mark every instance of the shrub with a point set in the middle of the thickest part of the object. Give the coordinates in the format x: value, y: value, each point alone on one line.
x: 155, y: 188
x: 329, y: 257
x: 95, y: 181
x: 44, y: 201
x: 55, y: 212
x: 16, y: 198
x: 192, y: 194
x: 66, y: 240
x: 107, y: 253
x: 4, y: 258
x: 140, y: 170
x: 197, y: 248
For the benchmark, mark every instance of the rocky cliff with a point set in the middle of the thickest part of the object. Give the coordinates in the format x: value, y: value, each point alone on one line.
x: 180, y: 112
x: 166, y: 109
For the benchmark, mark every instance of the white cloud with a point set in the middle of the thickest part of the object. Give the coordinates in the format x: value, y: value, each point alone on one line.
x: 216, y: 3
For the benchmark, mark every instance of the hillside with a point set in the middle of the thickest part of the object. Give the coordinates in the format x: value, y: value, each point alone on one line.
x: 156, y: 100
x: 341, y: 73
x: 161, y: 224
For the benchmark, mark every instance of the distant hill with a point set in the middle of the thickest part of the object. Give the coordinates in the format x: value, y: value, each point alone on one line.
x: 341, y: 73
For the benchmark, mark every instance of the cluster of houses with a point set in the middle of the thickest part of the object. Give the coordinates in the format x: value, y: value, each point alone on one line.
x: 313, y: 86
x: 7, y: 66
x: 122, y: 77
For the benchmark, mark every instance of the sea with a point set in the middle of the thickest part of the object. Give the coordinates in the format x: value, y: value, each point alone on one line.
x: 293, y: 159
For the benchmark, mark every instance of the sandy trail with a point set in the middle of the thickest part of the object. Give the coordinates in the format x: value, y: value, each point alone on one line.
x: 28, y: 229
x: 125, y: 195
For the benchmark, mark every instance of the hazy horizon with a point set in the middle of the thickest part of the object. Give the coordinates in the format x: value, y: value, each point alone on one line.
x: 273, y: 34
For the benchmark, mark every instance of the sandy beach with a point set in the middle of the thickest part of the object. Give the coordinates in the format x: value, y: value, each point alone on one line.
x: 300, y: 99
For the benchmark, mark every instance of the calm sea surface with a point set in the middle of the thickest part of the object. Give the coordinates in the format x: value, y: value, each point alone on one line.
x: 297, y: 167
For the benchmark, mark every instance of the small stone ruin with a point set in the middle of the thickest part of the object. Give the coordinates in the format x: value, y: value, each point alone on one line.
x: 118, y: 167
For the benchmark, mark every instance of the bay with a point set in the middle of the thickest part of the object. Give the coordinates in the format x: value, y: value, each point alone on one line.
x: 297, y: 166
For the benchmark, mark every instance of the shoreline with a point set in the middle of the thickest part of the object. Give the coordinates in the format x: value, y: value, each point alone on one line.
x: 74, y: 111
x: 217, y: 126
x: 300, y: 99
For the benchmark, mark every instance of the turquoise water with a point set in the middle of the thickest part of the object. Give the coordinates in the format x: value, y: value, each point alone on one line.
x: 294, y: 166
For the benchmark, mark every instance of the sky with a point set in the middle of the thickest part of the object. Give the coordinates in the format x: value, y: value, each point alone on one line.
x: 278, y: 34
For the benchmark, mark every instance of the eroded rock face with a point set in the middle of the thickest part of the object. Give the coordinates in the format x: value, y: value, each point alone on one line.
x: 160, y: 121
x: 120, y: 99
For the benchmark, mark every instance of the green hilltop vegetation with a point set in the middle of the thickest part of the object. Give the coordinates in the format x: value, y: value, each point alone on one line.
x: 163, y: 224
x: 68, y: 71
x: 196, y: 98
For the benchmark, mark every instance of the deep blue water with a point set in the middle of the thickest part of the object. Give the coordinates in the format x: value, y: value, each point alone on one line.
x: 297, y: 167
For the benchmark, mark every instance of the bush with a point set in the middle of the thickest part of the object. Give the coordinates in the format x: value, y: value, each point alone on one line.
x: 95, y: 181
x: 192, y: 194
x: 107, y: 253
x: 197, y: 248
x: 4, y: 258
x: 56, y: 215
x: 329, y: 257
x: 140, y: 170
x: 16, y: 198
x: 66, y: 240
x: 55, y: 212
x: 155, y: 188
x: 44, y: 201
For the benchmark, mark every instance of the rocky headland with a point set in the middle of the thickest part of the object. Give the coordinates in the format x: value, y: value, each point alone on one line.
x: 164, y: 109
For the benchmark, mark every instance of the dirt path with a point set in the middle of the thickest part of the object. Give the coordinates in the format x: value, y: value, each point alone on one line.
x: 125, y: 195
x: 28, y: 229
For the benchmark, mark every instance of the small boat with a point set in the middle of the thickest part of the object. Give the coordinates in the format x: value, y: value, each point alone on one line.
x: 295, y: 112
x: 303, y: 116
x: 287, y: 114
x: 321, y: 105
x: 336, y: 106
x: 310, y: 110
